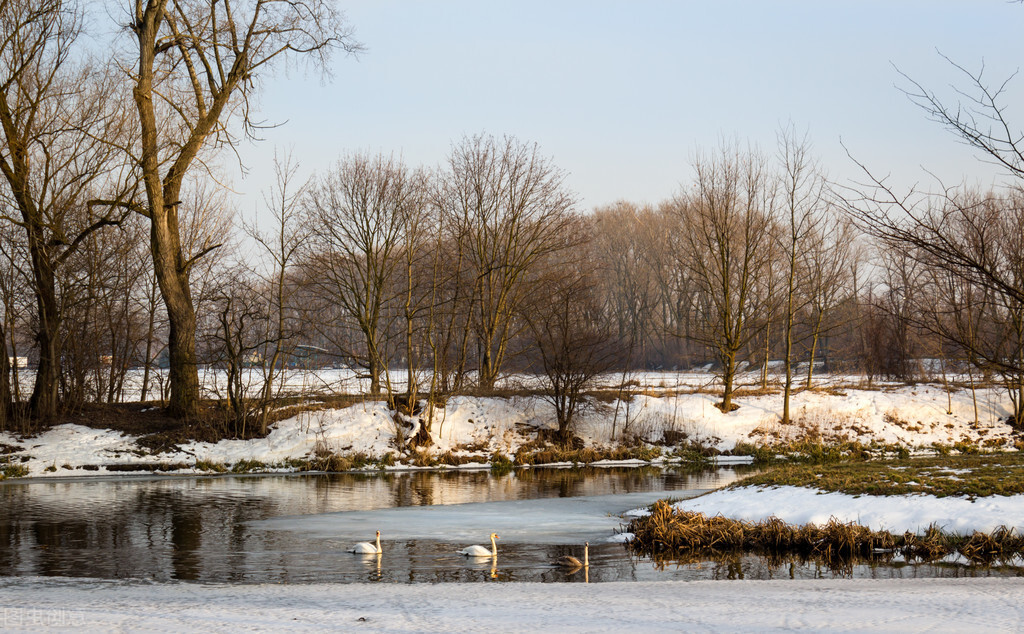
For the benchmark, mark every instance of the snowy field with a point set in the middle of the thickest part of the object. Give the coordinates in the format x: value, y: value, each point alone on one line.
x: 915, y: 605
x: 296, y: 382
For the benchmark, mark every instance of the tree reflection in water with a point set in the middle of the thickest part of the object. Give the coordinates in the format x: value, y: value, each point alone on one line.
x: 200, y: 529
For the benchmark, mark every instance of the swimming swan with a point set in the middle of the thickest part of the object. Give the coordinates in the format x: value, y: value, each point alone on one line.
x: 568, y: 561
x: 366, y: 548
x: 480, y: 551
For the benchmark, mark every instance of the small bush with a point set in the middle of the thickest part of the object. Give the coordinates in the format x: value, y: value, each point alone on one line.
x: 210, y: 465
x: 248, y: 466
x: 966, y: 448
x: 501, y: 464
x: 15, y: 471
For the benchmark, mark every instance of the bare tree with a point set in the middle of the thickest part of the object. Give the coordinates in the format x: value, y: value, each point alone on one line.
x: 509, y: 208
x: 803, y: 196
x: 621, y: 243
x: 357, y: 215
x: 831, y: 258
x: 283, y: 247
x: 237, y: 343
x: 56, y: 116
x: 727, y: 223
x: 13, y: 281
x: 574, y: 341
x: 195, y: 65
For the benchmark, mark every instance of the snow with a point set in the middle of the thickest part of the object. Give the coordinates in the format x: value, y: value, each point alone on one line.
x: 914, y: 417
x: 895, y: 513
x: 912, y: 605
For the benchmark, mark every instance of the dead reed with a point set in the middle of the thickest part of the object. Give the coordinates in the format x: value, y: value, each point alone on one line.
x: 668, y: 530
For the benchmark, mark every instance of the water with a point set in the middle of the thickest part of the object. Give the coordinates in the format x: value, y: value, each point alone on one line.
x: 296, y: 528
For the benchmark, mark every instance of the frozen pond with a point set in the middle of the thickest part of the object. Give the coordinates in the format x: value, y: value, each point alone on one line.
x: 296, y: 529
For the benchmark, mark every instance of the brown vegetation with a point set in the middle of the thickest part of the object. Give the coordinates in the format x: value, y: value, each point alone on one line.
x: 667, y: 530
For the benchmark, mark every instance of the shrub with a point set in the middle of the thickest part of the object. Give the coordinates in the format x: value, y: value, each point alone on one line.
x: 501, y: 464
x: 210, y: 465
x: 15, y: 471
x: 248, y: 466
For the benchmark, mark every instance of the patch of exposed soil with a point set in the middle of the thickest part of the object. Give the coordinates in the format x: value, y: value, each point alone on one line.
x: 156, y: 430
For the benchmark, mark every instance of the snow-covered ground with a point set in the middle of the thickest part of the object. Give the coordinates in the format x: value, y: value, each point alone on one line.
x: 896, y: 513
x: 913, y: 417
x: 914, y: 605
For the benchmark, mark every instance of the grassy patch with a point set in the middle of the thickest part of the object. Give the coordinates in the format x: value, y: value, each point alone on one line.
x: 13, y: 471
x: 248, y: 466
x: 501, y: 464
x: 210, y: 465
x: 531, y: 454
x: 970, y: 475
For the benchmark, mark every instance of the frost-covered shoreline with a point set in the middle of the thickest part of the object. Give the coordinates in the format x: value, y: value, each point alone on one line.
x: 912, y: 417
x: 898, y: 605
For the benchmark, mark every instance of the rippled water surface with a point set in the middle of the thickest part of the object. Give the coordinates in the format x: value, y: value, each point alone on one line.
x: 297, y: 528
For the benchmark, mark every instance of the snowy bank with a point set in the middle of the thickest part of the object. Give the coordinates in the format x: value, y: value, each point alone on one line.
x: 894, y: 513
x: 910, y: 416
x: 914, y: 605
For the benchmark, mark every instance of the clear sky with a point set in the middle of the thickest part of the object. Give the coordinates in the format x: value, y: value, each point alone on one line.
x: 622, y: 94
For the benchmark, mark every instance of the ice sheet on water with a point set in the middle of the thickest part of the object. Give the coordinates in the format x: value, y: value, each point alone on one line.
x: 544, y: 521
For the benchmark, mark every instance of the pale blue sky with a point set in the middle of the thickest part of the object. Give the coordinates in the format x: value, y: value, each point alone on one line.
x: 621, y: 94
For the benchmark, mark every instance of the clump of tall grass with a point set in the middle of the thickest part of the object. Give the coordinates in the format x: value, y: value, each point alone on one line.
x: 13, y: 471
x: 531, y: 454
x: 668, y: 530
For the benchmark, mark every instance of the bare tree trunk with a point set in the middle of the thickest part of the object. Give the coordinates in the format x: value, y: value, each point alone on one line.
x: 814, y: 348
x: 767, y: 354
x: 43, y: 403
x: 5, y: 382
x: 150, y: 332
x: 728, y: 379
x: 184, y: 369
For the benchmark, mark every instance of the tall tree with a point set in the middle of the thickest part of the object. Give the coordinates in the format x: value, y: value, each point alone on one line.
x: 802, y: 197
x: 197, y: 63
x: 282, y: 246
x: 727, y: 223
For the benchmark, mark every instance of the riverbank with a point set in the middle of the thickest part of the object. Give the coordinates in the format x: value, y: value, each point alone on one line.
x: 480, y: 432
x: 911, y: 605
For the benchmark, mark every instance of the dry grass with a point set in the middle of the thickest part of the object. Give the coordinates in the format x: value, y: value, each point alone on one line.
x: 534, y: 454
x: 969, y: 475
x: 668, y: 530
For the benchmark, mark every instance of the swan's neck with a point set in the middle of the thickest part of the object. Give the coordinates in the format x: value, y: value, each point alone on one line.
x: 378, y: 543
x: 494, y: 547
x: 586, y: 555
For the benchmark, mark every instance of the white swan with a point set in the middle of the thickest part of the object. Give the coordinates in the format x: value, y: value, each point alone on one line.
x: 480, y: 551
x: 366, y: 548
x: 568, y: 561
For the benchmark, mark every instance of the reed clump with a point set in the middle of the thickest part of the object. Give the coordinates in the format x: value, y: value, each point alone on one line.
x: 540, y: 454
x: 668, y: 530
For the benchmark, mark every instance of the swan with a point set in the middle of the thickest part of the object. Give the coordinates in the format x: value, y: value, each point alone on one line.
x: 366, y: 548
x: 568, y: 561
x: 480, y: 551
